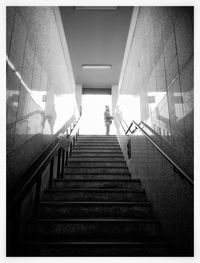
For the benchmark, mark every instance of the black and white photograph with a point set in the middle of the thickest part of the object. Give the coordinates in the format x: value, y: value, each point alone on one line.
x: 99, y: 140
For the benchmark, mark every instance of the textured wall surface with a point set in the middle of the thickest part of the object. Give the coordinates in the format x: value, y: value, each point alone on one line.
x: 39, y: 85
x: 160, y: 70
x: 170, y: 195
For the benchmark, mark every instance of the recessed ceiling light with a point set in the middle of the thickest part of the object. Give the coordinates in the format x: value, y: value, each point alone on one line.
x: 96, y: 8
x: 92, y: 66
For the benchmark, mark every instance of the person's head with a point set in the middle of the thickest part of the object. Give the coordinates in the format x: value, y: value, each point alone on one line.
x: 107, y: 107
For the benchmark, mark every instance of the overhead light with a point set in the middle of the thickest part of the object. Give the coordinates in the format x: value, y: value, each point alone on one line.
x: 96, y: 8
x: 101, y: 66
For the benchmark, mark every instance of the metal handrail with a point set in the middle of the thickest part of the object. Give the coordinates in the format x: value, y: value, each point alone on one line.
x: 186, y: 176
x: 120, y: 121
x: 10, y: 125
x: 37, y: 173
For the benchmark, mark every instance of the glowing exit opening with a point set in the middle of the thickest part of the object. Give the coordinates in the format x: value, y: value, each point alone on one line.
x: 93, y: 107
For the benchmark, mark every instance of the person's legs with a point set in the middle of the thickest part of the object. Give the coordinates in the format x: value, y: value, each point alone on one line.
x: 107, y: 128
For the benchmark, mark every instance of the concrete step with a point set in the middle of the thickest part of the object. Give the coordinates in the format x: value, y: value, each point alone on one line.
x: 96, y: 170
x: 96, y: 159
x: 97, y: 143
x: 81, y: 164
x: 97, y: 154
x: 96, y: 151
x: 94, y: 210
x: 97, y: 137
x: 97, y: 147
x: 60, y: 229
x: 97, y: 184
x: 95, y: 249
x: 81, y: 175
x: 110, y: 195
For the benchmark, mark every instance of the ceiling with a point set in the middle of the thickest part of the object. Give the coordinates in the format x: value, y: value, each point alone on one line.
x: 96, y: 37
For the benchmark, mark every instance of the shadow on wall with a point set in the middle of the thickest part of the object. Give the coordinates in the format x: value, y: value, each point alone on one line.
x: 170, y: 195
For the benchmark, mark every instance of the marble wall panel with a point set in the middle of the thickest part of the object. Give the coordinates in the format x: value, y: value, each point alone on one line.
x: 186, y: 79
x: 20, y: 133
x: 36, y: 74
x: 10, y: 14
x: 165, y: 76
x: 176, y: 115
x: 170, y: 195
x: 18, y: 41
x: 24, y: 98
x: 34, y: 61
x: 184, y: 37
x: 172, y: 71
x: 12, y: 91
x: 169, y: 48
x: 27, y: 71
x: 160, y: 75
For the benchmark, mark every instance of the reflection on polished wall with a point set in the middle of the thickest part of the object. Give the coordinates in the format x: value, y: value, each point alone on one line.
x: 40, y: 85
x: 160, y: 70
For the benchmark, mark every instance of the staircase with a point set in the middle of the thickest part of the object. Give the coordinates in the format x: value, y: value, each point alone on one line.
x: 96, y: 209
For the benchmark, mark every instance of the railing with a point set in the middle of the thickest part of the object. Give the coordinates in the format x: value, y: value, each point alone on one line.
x: 175, y: 165
x: 12, y: 124
x: 35, y: 178
x: 122, y: 123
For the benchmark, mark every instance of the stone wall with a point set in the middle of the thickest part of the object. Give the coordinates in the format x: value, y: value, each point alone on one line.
x: 40, y: 85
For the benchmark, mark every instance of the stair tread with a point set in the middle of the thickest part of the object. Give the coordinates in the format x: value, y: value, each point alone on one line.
x: 107, y: 173
x: 121, y: 242
x: 96, y: 180
x: 94, y: 189
x: 96, y: 161
x: 60, y: 220
x: 57, y: 203
x: 69, y: 219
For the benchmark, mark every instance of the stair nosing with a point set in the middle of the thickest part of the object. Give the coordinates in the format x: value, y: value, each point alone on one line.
x: 93, y: 189
x: 60, y: 220
x: 93, y: 173
x: 98, y: 167
x: 95, y: 180
x: 141, y: 243
x: 99, y: 161
x: 57, y: 203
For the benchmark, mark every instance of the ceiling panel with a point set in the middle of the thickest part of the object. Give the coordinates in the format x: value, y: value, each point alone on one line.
x: 96, y: 37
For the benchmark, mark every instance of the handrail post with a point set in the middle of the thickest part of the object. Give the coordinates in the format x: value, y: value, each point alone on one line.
x: 70, y: 149
x: 37, y: 193
x: 63, y: 163
x: 58, y: 163
x: 66, y: 157
x: 51, y: 173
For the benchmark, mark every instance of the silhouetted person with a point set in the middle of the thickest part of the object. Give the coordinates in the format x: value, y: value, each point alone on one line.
x: 108, y: 119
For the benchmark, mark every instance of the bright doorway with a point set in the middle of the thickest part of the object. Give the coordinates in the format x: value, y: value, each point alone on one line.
x: 93, y: 107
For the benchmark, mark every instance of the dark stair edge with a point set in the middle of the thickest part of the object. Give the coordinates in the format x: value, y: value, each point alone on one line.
x: 110, y: 190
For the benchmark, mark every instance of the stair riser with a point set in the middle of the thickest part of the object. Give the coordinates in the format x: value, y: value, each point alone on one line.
x: 97, y: 143
x: 100, y: 170
x: 93, y: 196
x: 96, y: 164
x: 94, y: 211
x: 96, y: 147
x: 98, y: 151
x: 97, y: 176
x: 96, y: 250
x: 135, y: 229
x: 97, y: 185
x: 95, y: 159
x: 97, y: 137
x: 96, y: 155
